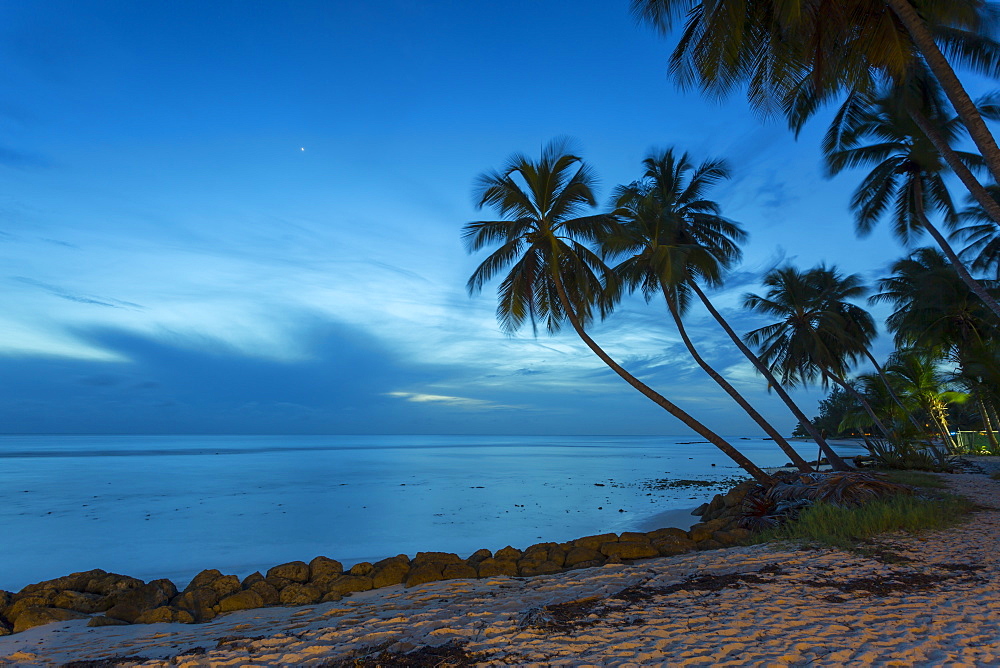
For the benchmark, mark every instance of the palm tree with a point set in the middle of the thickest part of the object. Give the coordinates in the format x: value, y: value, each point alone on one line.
x: 552, y: 275
x: 815, y: 336
x: 907, y: 177
x: 798, y: 54
x: 670, y: 237
x: 920, y: 380
x: 982, y: 234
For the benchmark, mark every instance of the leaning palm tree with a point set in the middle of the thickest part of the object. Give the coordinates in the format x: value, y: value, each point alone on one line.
x: 796, y: 55
x: 921, y: 380
x: 670, y: 236
x: 551, y: 274
x: 981, y: 233
x: 813, y: 338
x: 906, y: 182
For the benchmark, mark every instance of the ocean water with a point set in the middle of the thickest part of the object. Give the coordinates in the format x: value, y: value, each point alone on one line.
x: 170, y: 506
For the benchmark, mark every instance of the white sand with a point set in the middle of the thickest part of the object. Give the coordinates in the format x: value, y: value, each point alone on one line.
x: 791, y: 613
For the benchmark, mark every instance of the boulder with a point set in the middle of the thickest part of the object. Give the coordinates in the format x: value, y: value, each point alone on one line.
x: 106, y: 584
x: 249, y: 580
x: 670, y: 546
x: 330, y: 597
x: 344, y: 584
x: 198, y: 602
x: 165, y: 614
x: 460, y: 571
x: 5, y: 598
x: 557, y: 555
x: 267, y: 593
x: 390, y: 572
x: 421, y: 573
x: 106, y: 621
x: 204, y: 579
x: 296, y: 571
x: 324, y: 567
x: 493, y: 567
x: 5, y: 628
x: 704, y: 530
x: 730, y: 537
x: 479, y: 555
x: 734, y: 497
x: 362, y: 568
x: 709, y: 544
x: 47, y: 595
x: 439, y: 558
x: 634, y: 537
x: 667, y: 533
x: 34, y: 616
x: 579, y: 555
x: 299, y: 594
x: 82, y: 602
x: 241, y: 600
x: 629, y: 550
x: 595, y: 542
x: 529, y: 567
x: 507, y: 554
x: 12, y: 611
x: 128, y: 605
x: 226, y: 585
x: 277, y: 582
x: 74, y: 581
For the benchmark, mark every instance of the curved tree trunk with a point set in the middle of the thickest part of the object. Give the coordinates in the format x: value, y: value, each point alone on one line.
x: 971, y: 183
x: 795, y: 457
x: 835, y: 460
x: 861, y: 398
x: 937, y: 413
x: 892, y: 392
x: 661, y: 401
x: 952, y: 87
x: 990, y: 436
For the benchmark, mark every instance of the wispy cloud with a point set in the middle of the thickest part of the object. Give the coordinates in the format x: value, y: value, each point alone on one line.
x: 444, y: 400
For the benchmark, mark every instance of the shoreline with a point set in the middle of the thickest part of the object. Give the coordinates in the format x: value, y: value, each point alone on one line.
x: 936, y: 602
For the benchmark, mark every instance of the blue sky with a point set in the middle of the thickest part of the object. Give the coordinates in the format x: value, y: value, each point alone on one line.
x: 244, y: 217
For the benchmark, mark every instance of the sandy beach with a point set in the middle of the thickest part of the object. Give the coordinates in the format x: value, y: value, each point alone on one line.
x: 931, y: 599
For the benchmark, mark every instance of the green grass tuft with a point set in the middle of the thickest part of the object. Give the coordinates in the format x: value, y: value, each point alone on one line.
x: 995, y: 475
x: 836, y: 526
x: 915, y: 479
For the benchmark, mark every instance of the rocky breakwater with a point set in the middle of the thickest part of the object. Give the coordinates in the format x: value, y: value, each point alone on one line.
x: 111, y: 599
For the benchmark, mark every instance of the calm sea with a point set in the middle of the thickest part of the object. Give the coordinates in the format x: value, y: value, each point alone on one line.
x: 170, y: 506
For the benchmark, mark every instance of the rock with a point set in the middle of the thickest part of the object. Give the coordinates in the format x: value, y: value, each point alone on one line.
x: 538, y: 549
x: 530, y: 567
x: 715, y: 504
x: 128, y: 605
x: 709, y: 544
x: 324, y: 567
x: 47, y: 595
x: 731, y: 536
x: 296, y: 571
x: 439, y: 558
x: 82, y: 602
x: 241, y: 600
x: 579, y: 555
x: 12, y: 611
x: 591, y: 564
x: 629, y: 550
x: 633, y: 537
x: 493, y: 567
x: 670, y: 546
x: 700, y: 510
x: 557, y: 555
x: 5, y: 598
x: 106, y: 584
x: 300, y: 594
x: 267, y: 593
x: 390, y: 571
x: 249, y: 580
x: 278, y: 583
x: 734, y: 497
x: 73, y: 581
x: 507, y: 554
x: 226, y: 585
x: 669, y: 532
x: 461, y: 571
x: 5, y: 628
x: 345, y: 584
x: 204, y: 579
x: 479, y: 555
x: 33, y: 616
x: 198, y: 602
x: 422, y: 573
x: 106, y: 621
x: 331, y: 597
x: 704, y: 530
x: 363, y: 568
x: 595, y: 542
x: 165, y: 614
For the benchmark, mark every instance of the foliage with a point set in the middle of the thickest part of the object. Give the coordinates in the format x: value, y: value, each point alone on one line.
x: 906, y: 455
x: 846, y: 488
x: 839, y: 526
x: 914, y: 479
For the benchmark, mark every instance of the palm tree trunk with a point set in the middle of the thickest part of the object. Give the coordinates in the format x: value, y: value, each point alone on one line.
x: 835, y: 460
x: 892, y: 392
x: 941, y: 419
x: 795, y: 457
x: 661, y: 401
x: 964, y: 106
x: 861, y: 398
x: 990, y: 436
x: 972, y: 184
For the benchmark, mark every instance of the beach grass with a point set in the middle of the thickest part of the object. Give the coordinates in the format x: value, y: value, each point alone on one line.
x: 847, y: 527
x: 915, y: 478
